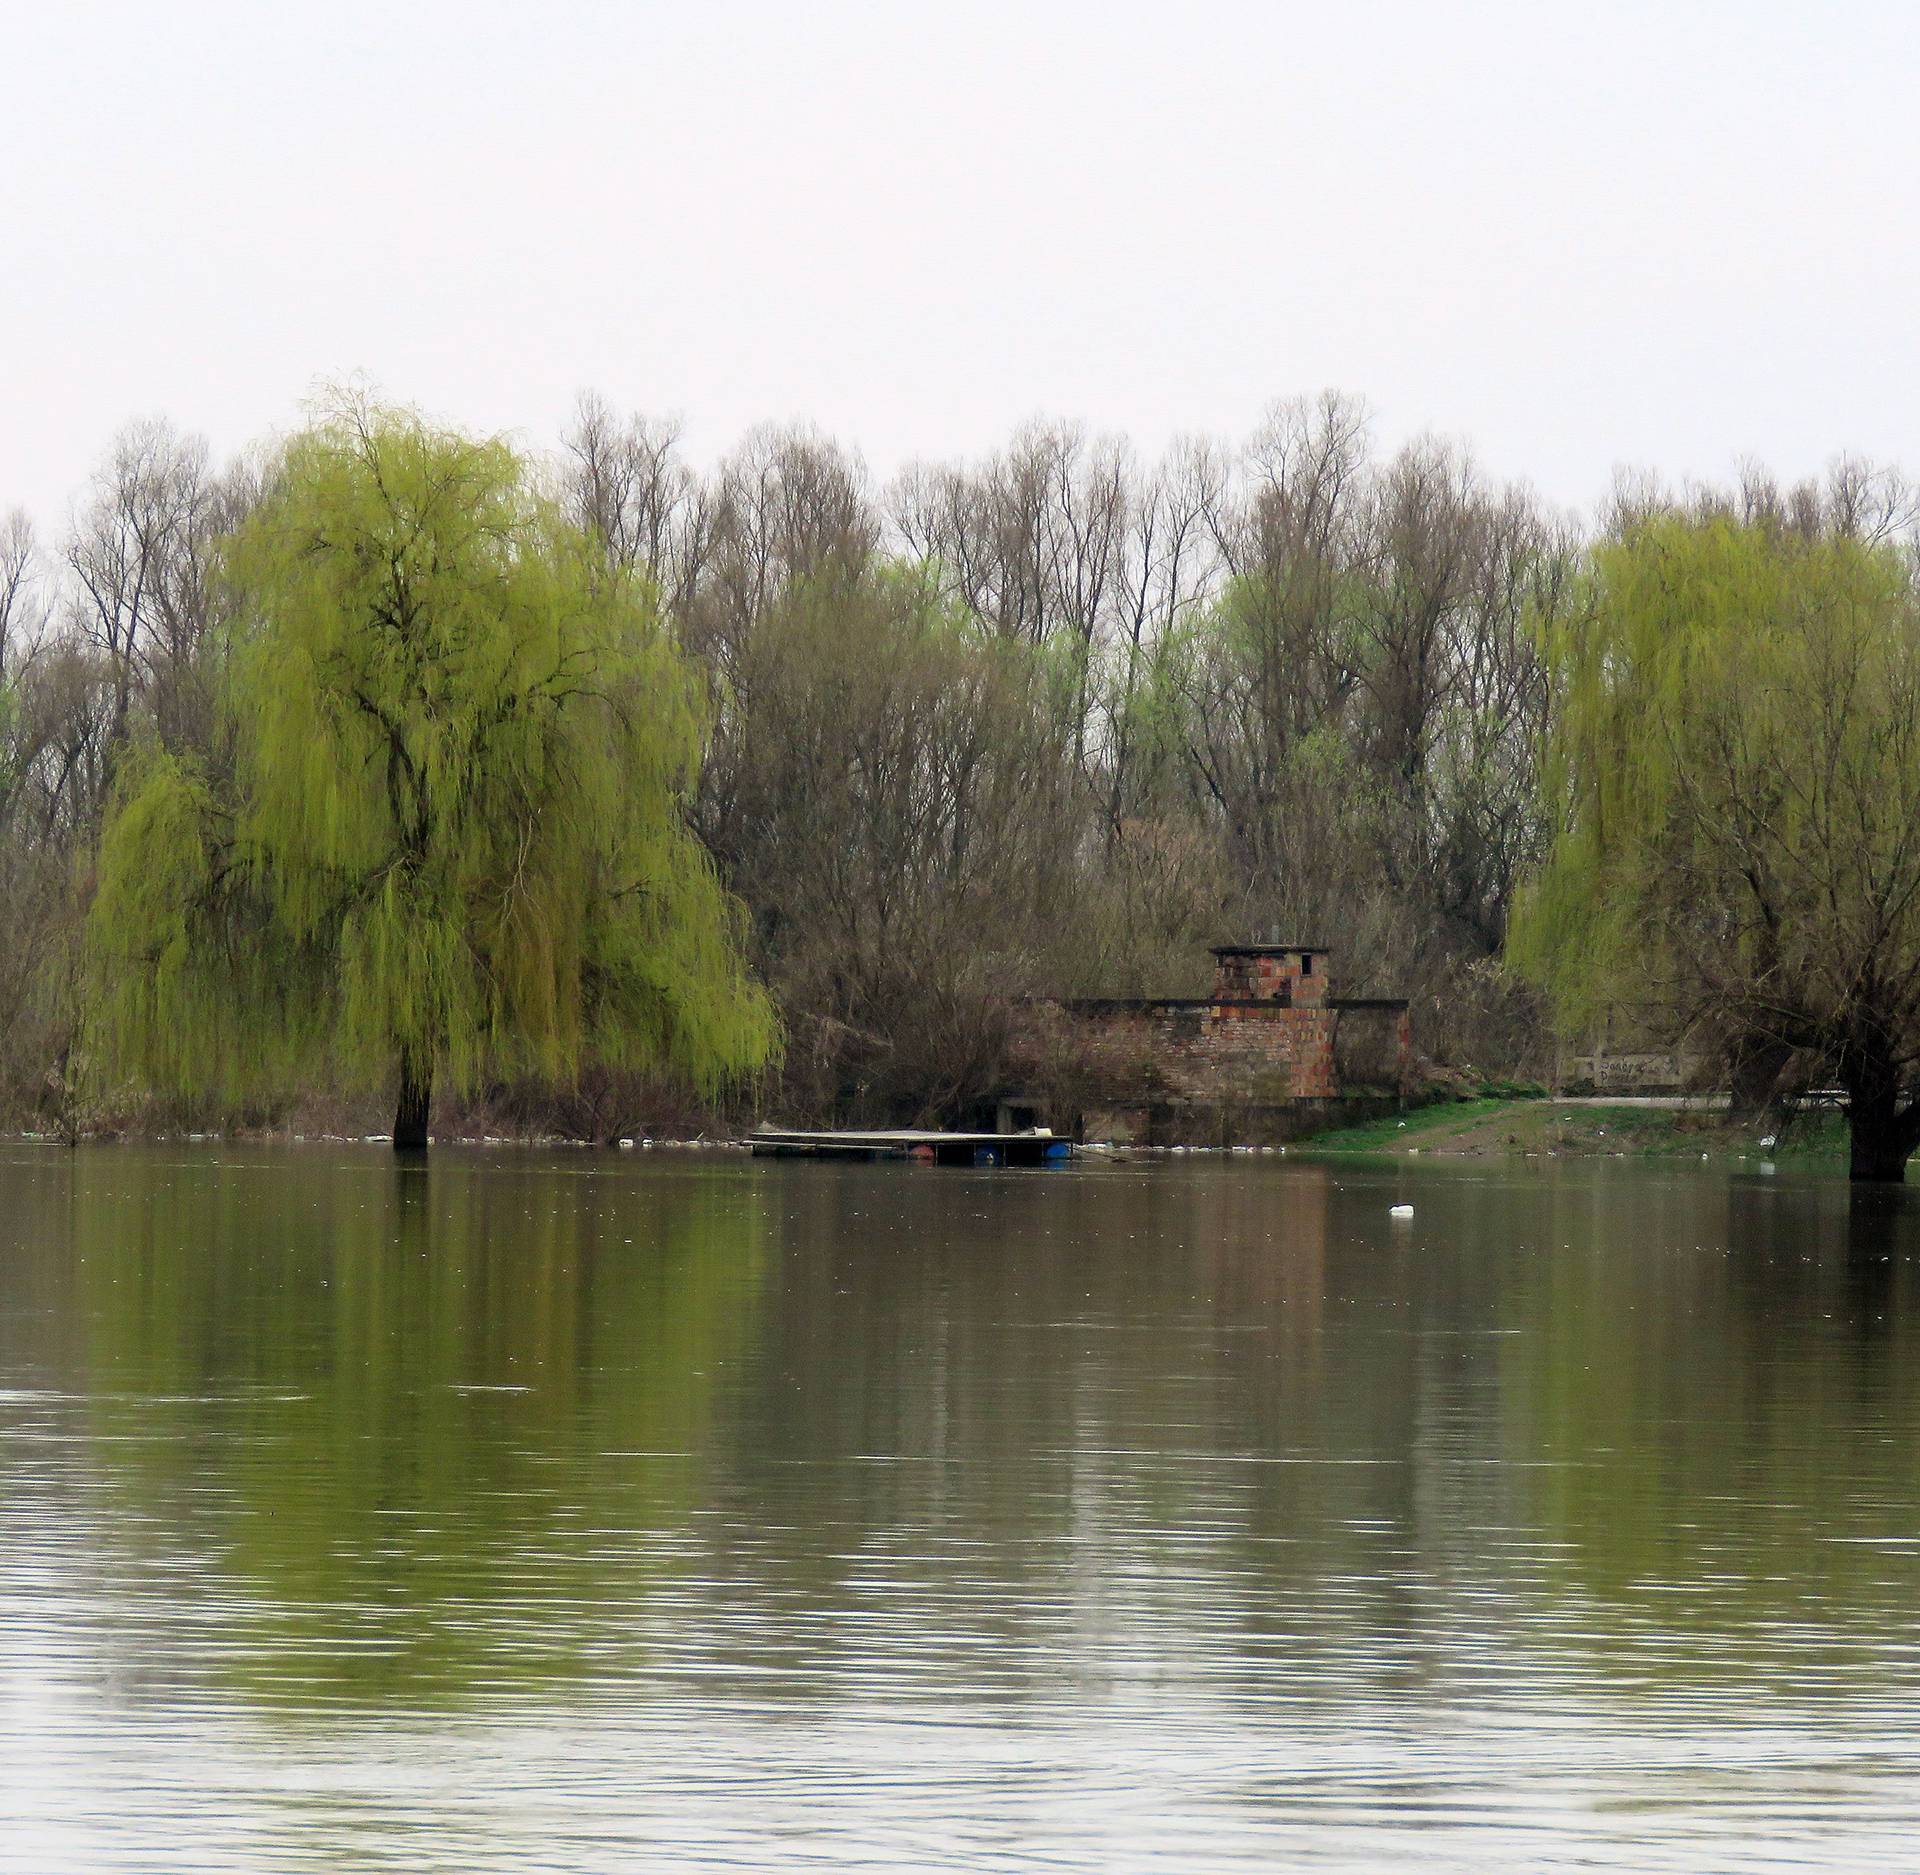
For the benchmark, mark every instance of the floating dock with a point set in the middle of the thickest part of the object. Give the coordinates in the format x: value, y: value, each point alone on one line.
x: 928, y: 1148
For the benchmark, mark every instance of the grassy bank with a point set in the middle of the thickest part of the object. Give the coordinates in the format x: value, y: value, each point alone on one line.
x: 1551, y: 1128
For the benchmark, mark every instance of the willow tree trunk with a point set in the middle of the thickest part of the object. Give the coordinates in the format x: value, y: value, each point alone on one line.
x: 1883, y: 1133
x: 416, y: 1096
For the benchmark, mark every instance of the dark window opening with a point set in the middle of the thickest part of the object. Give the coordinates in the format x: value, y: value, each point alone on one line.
x: 1306, y: 963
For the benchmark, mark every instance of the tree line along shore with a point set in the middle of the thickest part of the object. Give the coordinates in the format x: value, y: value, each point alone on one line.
x: 387, y: 769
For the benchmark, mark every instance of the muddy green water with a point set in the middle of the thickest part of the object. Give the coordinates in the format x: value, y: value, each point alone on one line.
x: 599, y: 1513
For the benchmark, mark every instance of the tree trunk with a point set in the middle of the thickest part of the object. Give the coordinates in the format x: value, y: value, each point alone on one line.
x: 1883, y: 1133
x: 416, y: 1096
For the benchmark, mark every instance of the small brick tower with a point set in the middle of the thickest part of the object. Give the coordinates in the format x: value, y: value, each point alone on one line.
x: 1292, y: 975
x: 1271, y: 1053
x: 1272, y: 1000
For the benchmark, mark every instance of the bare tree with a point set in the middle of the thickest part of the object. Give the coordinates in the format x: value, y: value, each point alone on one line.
x: 1030, y: 541
x: 789, y: 509
x: 627, y: 484
x: 23, y: 608
x: 1170, y: 569
x: 139, y: 556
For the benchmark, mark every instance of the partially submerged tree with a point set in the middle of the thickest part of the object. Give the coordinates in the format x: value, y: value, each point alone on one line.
x: 1734, y: 775
x: 441, y: 830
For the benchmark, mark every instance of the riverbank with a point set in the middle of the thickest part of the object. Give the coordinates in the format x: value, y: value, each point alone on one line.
x: 1545, y: 1128
x: 1491, y: 1127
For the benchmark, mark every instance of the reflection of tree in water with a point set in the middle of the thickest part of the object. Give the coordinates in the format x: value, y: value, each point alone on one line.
x: 428, y: 1422
x: 1725, y: 1390
x: 1125, y: 1402
x: 1881, y: 1231
x: 1156, y: 1407
x: 991, y: 1428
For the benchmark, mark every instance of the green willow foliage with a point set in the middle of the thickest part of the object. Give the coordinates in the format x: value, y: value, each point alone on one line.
x: 443, y: 826
x: 1051, y: 722
x: 1734, y: 779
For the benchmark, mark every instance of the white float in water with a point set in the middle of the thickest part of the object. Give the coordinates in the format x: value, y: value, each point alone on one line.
x: 1400, y: 1210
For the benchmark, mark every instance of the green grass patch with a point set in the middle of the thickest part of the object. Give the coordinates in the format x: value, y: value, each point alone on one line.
x: 1420, y: 1123
x: 1510, y: 1090
x: 1813, y: 1136
x: 1489, y: 1127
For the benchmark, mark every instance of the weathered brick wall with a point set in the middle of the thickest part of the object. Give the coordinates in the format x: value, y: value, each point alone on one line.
x: 1270, y: 976
x: 1226, y: 1071
x: 1263, y: 1051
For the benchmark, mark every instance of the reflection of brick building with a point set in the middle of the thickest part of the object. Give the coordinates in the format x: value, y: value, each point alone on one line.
x: 1271, y: 1053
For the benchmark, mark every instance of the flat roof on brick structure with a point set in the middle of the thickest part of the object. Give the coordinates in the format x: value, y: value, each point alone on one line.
x: 1119, y: 1005
x: 1268, y: 950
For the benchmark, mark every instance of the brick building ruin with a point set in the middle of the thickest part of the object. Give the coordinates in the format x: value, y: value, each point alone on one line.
x: 1272, y: 1054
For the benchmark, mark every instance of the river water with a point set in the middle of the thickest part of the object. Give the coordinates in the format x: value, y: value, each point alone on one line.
x: 596, y: 1512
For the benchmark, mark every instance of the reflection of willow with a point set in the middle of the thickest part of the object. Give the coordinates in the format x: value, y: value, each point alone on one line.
x: 430, y: 1421
x: 1720, y: 1384
x: 1133, y: 1412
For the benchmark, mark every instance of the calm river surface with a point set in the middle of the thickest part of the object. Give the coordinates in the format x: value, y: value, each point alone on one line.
x: 663, y: 1510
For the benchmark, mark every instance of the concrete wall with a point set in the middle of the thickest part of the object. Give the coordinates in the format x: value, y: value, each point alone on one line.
x: 1648, y: 1071
x: 1373, y: 1047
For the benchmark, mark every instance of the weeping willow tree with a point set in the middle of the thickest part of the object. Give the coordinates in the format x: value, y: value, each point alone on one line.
x: 1734, y: 778
x: 441, y: 834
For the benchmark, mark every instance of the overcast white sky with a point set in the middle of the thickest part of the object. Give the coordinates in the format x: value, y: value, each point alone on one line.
x: 1576, y: 235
